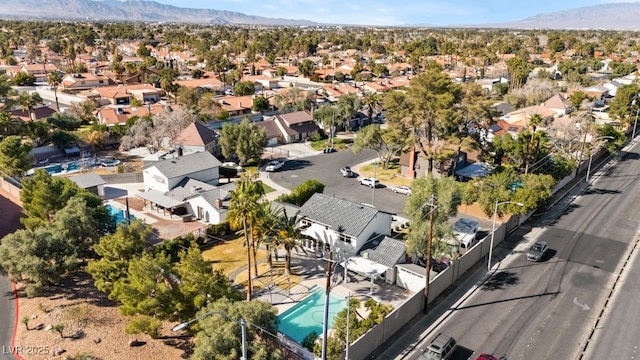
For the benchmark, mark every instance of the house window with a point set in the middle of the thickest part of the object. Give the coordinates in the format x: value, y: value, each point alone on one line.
x: 344, y: 238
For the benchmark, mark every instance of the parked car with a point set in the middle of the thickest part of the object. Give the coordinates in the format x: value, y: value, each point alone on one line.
x: 328, y: 150
x: 346, y: 171
x: 231, y: 164
x: 405, y: 190
x: 274, y: 165
x: 537, y: 251
x: 369, y: 181
x: 440, y: 348
x: 486, y: 357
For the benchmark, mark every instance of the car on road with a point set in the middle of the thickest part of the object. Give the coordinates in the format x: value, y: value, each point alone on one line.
x: 329, y: 150
x: 537, y: 251
x: 369, y: 181
x: 486, y: 357
x: 274, y: 165
x: 440, y: 348
x: 346, y: 171
x: 405, y: 190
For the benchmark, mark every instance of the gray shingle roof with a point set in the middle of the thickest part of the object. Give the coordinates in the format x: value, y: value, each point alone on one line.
x: 187, y: 164
x: 340, y: 215
x: 383, y: 250
x: 88, y: 180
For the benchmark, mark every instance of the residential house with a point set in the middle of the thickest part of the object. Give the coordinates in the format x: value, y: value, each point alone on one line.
x: 272, y: 130
x: 341, y: 226
x: 560, y: 104
x: 112, y: 115
x: 521, y: 116
x: 41, y: 112
x: 114, y: 95
x: 197, y: 137
x: 145, y: 93
x: 84, y: 81
x: 209, y: 82
x: 295, y: 126
x: 187, y: 186
x: 236, y: 105
x: 40, y: 71
x: 164, y: 175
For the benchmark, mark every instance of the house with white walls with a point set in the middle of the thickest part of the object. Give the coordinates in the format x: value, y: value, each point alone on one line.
x: 342, y: 226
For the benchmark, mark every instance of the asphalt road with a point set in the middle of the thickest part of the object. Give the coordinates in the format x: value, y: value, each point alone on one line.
x: 546, y: 310
x: 326, y: 169
x: 6, y: 318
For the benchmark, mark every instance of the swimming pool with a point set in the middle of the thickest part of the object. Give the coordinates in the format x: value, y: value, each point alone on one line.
x: 118, y: 214
x: 307, y: 315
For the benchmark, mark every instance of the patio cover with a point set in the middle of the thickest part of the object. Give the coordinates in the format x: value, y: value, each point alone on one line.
x: 161, y: 199
x: 365, y: 267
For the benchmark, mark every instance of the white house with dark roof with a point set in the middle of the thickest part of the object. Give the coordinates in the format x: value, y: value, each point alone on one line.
x: 164, y: 175
x: 341, y: 226
x: 187, y: 186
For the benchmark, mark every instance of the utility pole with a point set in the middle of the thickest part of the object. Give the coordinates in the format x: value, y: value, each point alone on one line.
x: 428, y: 261
x: 325, y: 323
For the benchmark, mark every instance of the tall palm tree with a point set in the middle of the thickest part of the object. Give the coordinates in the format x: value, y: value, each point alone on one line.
x: 266, y: 230
x: 535, y: 120
x: 243, y: 203
x: 289, y: 234
x: 54, y: 80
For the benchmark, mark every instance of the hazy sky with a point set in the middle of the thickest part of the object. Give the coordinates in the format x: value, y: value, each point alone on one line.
x: 393, y: 12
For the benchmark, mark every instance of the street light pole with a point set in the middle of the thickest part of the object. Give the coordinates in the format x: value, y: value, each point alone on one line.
x: 373, y: 186
x: 242, y: 322
x: 493, y: 227
x: 591, y: 152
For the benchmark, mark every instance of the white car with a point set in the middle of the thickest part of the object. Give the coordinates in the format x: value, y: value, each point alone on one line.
x: 369, y: 181
x: 274, y: 165
x: 231, y: 164
x: 405, y: 190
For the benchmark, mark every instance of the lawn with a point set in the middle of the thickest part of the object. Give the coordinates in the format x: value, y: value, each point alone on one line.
x: 390, y: 176
x: 231, y: 257
x: 338, y: 143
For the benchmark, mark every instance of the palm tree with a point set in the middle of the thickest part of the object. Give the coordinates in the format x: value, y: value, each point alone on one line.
x: 535, y: 120
x: 326, y: 117
x: 244, y: 202
x: 373, y: 101
x: 10, y: 125
x: 54, y: 80
x: 289, y: 234
x: 266, y: 230
x: 28, y: 103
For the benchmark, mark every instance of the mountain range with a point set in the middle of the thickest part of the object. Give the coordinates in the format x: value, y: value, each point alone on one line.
x: 615, y: 16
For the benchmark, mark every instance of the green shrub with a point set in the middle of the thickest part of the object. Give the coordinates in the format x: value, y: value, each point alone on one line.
x: 310, y: 340
x: 303, y: 192
x: 145, y: 325
x: 219, y: 230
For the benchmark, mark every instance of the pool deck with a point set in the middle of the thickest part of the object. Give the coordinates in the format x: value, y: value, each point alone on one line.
x: 357, y: 286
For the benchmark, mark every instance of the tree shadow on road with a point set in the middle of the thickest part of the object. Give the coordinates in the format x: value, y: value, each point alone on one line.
x: 501, y: 280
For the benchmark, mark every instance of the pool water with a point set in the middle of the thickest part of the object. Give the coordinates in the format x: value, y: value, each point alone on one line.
x: 308, y: 315
x: 118, y: 214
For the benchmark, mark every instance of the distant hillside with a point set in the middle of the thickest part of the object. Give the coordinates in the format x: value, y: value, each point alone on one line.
x: 132, y: 10
x: 616, y: 16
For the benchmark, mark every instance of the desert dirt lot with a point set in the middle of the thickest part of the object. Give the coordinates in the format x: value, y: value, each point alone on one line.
x: 96, y: 322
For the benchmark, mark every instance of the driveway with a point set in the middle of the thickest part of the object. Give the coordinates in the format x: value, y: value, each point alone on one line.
x: 326, y: 169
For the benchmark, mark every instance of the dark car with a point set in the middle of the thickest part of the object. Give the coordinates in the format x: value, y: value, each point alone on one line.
x: 328, y: 150
x: 537, y: 251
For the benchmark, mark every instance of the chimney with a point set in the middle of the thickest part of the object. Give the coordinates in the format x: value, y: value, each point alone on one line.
x: 219, y: 203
